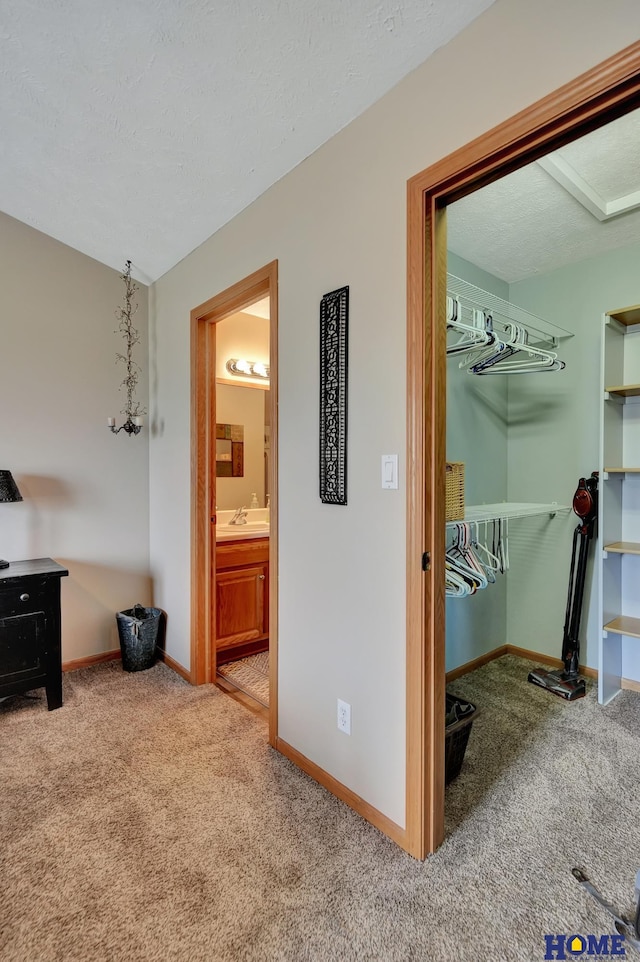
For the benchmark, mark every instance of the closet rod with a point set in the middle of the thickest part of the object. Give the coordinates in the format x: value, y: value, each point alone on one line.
x: 505, y: 310
x: 506, y: 510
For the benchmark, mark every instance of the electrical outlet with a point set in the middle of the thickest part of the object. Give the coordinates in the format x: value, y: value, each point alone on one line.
x: 344, y: 717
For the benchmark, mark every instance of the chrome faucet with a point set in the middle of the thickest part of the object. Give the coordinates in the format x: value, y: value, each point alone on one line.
x: 240, y: 517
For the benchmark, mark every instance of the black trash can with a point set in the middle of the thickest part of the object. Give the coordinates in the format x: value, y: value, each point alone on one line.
x: 138, y: 629
x: 458, y: 720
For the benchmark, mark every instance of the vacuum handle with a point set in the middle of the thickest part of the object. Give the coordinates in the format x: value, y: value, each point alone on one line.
x: 584, y: 503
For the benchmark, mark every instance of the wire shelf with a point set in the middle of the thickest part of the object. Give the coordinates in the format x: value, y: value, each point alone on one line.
x: 504, y: 310
x: 506, y: 510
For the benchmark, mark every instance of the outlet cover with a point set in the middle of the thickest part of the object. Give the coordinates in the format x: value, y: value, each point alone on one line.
x: 344, y: 717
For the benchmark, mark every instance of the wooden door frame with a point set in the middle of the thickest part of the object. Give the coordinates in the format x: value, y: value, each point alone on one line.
x: 592, y: 100
x: 261, y: 283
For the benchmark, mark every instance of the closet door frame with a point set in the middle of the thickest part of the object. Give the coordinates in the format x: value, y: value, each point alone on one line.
x: 592, y: 100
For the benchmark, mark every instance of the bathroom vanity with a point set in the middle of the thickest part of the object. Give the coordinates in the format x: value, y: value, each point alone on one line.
x: 242, y: 594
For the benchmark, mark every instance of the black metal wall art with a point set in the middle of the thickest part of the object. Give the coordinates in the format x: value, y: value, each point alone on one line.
x: 334, y: 325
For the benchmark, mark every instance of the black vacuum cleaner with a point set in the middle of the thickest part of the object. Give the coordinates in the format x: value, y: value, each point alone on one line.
x: 566, y: 682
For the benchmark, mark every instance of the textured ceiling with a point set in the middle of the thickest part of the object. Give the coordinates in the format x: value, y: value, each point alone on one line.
x: 136, y: 128
x: 608, y: 158
x: 527, y: 224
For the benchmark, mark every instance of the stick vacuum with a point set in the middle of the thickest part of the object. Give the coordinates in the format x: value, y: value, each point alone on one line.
x: 566, y: 682
x: 628, y: 927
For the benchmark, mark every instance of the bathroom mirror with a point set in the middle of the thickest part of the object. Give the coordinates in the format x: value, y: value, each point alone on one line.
x: 242, y: 446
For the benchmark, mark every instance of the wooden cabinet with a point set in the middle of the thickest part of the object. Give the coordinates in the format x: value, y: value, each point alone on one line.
x: 30, y: 629
x: 619, y: 521
x: 242, y: 598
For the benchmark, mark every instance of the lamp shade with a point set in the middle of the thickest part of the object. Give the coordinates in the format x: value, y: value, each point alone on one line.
x: 8, y: 487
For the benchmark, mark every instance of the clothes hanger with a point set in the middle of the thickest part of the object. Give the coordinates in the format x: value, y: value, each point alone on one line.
x: 479, y: 355
x: 513, y: 354
x: 504, y: 346
x: 502, y: 548
x: 490, y: 562
x: 473, y: 335
x: 465, y: 571
x: 462, y: 559
x: 485, y: 349
x: 459, y: 583
x: 455, y: 585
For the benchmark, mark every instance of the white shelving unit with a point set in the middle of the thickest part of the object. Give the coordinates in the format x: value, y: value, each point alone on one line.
x: 619, y: 521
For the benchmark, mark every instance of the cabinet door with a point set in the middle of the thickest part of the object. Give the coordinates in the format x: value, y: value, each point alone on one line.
x: 22, y: 647
x: 240, y: 605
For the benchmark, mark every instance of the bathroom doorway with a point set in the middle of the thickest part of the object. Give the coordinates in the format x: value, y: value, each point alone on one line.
x: 242, y: 432
x: 234, y: 491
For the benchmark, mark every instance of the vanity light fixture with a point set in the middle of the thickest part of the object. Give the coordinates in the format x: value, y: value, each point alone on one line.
x: 241, y: 368
x: 132, y: 411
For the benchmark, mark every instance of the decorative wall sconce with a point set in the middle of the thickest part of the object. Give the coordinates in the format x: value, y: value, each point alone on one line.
x: 132, y: 411
x: 242, y: 368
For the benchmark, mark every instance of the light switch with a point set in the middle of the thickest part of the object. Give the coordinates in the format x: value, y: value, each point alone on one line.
x: 389, y: 470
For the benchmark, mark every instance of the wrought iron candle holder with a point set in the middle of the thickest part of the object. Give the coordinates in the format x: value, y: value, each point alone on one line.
x: 132, y: 411
x: 131, y: 425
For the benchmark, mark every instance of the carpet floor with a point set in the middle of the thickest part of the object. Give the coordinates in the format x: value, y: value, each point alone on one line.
x: 250, y: 675
x: 147, y: 820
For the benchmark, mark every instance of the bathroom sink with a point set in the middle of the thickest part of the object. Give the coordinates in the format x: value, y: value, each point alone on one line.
x: 248, y: 524
x: 252, y: 529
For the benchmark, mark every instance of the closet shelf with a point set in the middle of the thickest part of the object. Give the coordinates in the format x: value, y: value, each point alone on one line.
x: 624, y: 625
x: 505, y: 510
x: 623, y: 547
x: 625, y: 390
x: 622, y: 470
x: 628, y: 316
x: 476, y: 297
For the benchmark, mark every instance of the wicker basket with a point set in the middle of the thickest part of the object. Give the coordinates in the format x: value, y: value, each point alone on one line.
x: 454, y: 504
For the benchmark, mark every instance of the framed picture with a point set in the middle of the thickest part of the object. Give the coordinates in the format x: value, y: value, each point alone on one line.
x: 229, y: 450
x: 334, y: 323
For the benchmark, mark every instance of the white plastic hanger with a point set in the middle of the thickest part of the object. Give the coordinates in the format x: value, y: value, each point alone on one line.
x: 512, y: 354
x: 474, y: 332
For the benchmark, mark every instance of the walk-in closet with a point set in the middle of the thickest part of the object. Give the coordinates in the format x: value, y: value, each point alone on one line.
x: 486, y: 514
x: 543, y: 368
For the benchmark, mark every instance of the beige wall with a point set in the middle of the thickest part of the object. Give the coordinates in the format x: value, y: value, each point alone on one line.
x: 549, y: 453
x: 339, y: 218
x: 241, y: 335
x: 85, y: 491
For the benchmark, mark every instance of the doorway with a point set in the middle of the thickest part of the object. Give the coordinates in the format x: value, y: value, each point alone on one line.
x: 222, y: 466
x: 601, y: 95
x: 241, y: 596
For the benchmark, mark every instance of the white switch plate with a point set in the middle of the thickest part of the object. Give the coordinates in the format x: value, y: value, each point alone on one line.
x: 389, y: 470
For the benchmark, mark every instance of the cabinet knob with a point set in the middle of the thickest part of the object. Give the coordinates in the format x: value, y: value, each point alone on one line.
x: 24, y: 596
x: 261, y: 577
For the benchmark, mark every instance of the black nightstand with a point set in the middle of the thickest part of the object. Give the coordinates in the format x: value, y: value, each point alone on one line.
x: 30, y: 655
